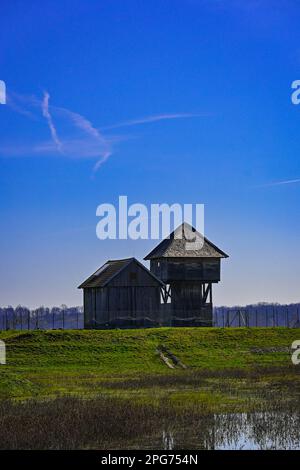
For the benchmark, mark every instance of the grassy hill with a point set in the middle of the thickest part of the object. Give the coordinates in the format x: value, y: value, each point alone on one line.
x: 126, y: 363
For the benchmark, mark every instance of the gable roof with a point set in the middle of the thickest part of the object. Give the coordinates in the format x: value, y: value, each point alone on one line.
x: 110, y: 269
x: 182, y: 243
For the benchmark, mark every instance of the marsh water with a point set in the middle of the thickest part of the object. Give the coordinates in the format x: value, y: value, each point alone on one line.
x: 237, y: 431
x: 73, y: 423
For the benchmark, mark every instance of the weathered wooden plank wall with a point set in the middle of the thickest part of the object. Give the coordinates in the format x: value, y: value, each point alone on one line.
x: 186, y: 270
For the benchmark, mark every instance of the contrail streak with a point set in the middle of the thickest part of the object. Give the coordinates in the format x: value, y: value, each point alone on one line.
x: 47, y: 115
x: 279, y: 183
x: 155, y: 118
x: 84, y: 124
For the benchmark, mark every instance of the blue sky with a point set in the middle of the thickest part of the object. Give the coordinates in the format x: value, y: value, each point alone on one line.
x: 203, y: 89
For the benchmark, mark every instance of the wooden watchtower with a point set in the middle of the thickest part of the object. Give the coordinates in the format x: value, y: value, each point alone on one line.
x: 188, y: 264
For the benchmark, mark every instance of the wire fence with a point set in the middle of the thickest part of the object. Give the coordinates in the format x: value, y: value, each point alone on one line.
x: 22, y: 318
x: 41, y: 319
x: 270, y: 316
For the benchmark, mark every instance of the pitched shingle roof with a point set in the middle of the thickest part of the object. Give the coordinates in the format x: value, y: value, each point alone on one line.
x: 186, y: 242
x: 110, y: 269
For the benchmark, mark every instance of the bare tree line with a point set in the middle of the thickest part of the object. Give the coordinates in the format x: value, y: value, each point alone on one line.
x: 23, y: 318
x: 63, y: 317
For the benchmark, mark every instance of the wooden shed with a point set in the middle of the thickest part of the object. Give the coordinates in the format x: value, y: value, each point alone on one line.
x: 122, y: 293
x: 188, y: 264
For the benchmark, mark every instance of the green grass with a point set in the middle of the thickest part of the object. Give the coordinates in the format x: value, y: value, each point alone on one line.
x: 124, y: 363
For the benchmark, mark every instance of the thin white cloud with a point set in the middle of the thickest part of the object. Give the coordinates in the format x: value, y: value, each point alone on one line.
x: 154, y: 118
x: 47, y: 115
x: 101, y: 161
x: 73, y: 148
x: 85, y: 125
x: 280, y: 183
x: 91, y: 142
x: 11, y: 103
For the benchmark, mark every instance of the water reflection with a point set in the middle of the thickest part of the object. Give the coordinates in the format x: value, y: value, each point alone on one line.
x: 168, y: 440
x: 269, y: 430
